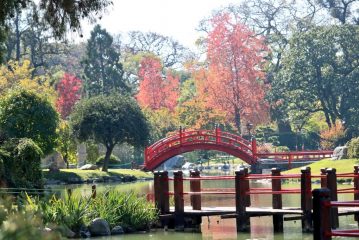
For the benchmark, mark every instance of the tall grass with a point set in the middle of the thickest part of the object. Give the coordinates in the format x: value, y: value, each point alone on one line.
x: 117, y: 208
x: 124, y: 209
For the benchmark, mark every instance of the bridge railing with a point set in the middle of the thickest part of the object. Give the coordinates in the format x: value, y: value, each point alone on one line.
x: 243, y: 191
x: 195, y: 137
x: 323, y: 209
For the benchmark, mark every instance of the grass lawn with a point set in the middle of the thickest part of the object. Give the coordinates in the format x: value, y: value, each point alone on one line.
x: 90, y: 174
x: 342, y: 166
x: 231, y: 160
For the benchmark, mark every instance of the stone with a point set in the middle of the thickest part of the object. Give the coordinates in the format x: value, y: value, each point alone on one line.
x: 88, y: 167
x: 84, y: 232
x: 99, y: 227
x: 117, y: 230
x: 340, y: 153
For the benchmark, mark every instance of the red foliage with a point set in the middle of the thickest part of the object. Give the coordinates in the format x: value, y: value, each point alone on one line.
x: 69, y: 92
x: 234, y: 82
x: 156, y: 92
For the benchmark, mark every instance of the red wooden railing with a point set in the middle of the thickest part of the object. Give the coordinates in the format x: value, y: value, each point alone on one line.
x: 185, y: 141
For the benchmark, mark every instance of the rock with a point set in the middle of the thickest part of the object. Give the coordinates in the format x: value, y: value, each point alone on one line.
x: 85, y: 233
x: 88, y: 167
x: 340, y: 153
x: 99, y: 227
x: 117, y: 230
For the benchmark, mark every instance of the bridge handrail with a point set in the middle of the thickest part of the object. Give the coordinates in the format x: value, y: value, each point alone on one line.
x: 156, y: 148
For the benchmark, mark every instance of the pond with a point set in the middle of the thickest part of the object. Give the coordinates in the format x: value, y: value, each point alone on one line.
x: 216, y: 228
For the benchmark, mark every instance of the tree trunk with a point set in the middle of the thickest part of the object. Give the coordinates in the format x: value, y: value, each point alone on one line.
x: 66, y: 161
x: 107, y: 158
x: 237, y: 119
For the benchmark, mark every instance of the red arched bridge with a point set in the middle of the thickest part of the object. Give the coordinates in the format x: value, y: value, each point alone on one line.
x: 187, y: 141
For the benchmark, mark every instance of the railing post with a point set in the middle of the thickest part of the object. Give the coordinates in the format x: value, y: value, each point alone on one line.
x: 195, y: 186
x: 290, y: 159
x: 246, y: 186
x: 242, y: 221
x: 321, y: 214
x: 306, y: 199
x: 332, y: 186
x: 218, y: 134
x: 277, y: 201
x: 179, y: 201
x: 164, y: 189
x: 157, y: 189
x: 254, y: 147
x: 356, y: 189
x: 323, y: 179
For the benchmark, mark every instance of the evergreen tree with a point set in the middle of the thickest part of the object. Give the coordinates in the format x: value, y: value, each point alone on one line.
x: 103, y: 71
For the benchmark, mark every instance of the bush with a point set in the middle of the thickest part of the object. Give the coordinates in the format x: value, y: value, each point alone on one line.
x: 113, y: 160
x: 332, y: 137
x: 353, y: 148
x: 282, y: 149
x: 22, y: 164
x: 24, y: 114
x: 124, y: 209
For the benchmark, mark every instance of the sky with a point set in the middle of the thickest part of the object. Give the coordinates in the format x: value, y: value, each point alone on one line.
x: 176, y: 18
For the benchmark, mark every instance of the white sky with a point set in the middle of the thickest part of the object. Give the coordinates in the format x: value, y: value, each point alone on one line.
x: 175, y: 18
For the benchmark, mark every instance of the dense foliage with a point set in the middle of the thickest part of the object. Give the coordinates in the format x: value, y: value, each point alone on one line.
x: 353, y: 148
x: 110, y: 120
x: 24, y: 114
x: 22, y: 159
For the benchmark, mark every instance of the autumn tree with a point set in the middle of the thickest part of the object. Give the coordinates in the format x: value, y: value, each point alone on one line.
x: 69, y: 92
x: 156, y: 91
x: 20, y: 75
x: 235, y: 77
x: 103, y: 71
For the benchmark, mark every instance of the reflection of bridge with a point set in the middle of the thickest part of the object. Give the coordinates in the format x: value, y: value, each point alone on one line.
x: 187, y: 141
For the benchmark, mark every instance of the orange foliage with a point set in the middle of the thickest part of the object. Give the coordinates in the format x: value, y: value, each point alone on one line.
x: 233, y: 84
x: 156, y: 92
x: 331, y: 136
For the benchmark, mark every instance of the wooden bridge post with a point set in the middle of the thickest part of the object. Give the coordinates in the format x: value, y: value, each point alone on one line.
x: 164, y: 189
x: 277, y: 201
x: 242, y: 221
x: 218, y: 134
x: 195, y: 186
x: 332, y: 186
x: 179, y: 201
x: 290, y: 160
x: 323, y: 179
x: 93, y: 191
x: 246, y: 185
x: 321, y: 214
x: 356, y: 188
x: 306, y: 199
x: 254, y: 147
x: 157, y: 189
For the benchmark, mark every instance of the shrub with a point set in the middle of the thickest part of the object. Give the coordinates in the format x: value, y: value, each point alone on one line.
x: 22, y: 164
x: 353, y: 148
x: 24, y: 114
x: 113, y: 160
x: 331, y: 137
x: 282, y: 149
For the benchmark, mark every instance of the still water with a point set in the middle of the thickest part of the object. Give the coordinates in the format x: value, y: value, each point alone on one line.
x: 216, y: 228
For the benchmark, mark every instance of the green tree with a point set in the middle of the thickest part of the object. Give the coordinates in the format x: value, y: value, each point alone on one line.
x: 320, y: 73
x: 23, y: 114
x: 103, y: 71
x: 66, y: 143
x: 110, y: 120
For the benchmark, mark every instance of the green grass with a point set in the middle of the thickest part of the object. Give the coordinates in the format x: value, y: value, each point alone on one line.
x: 342, y: 166
x: 231, y: 160
x: 84, y: 175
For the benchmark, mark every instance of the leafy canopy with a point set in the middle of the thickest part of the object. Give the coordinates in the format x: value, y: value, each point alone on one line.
x: 24, y: 114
